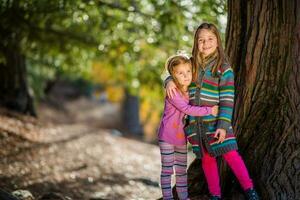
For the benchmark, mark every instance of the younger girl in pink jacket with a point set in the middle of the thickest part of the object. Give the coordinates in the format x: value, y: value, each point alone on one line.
x: 172, y: 140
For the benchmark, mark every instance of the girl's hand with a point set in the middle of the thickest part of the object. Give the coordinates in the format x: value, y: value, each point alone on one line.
x: 220, y: 135
x: 171, y: 89
x: 215, y: 110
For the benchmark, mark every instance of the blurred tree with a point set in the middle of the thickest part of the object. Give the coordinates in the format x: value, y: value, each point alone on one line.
x: 41, y: 38
x: 63, y: 37
x: 139, y: 45
x: 262, y: 41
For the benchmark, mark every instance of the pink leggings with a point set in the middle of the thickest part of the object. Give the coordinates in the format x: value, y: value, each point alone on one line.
x: 237, y: 165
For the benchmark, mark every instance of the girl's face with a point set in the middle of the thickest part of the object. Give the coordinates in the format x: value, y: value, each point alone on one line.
x: 183, y: 74
x: 207, y: 42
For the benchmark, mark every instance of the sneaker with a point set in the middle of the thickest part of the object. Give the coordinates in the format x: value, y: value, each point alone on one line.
x: 251, y: 194
x: 215, y: 198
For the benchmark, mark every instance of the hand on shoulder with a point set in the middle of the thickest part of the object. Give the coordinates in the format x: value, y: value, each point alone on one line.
x: 171, y: 89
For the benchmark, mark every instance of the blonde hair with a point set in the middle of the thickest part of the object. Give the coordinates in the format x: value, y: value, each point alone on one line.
x: 197, y: 60
x: 172, y: 62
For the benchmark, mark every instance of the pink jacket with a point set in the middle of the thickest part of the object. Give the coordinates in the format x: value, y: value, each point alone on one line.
x: 171, y: 125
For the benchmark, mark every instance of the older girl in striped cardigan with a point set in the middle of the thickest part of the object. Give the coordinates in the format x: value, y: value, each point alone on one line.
x: 213, y: 136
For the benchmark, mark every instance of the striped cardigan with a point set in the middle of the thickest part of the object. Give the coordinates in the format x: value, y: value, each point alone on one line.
x: 209, y: 92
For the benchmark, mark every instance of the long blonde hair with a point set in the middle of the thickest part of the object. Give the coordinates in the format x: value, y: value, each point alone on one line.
x: 197, y: 60
x: 172, y: 62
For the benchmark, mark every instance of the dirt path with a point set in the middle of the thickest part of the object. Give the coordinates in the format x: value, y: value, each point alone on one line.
x: 66, y: 151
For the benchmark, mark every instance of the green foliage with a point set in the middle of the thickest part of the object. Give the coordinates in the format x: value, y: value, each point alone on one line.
x: 63, y: 37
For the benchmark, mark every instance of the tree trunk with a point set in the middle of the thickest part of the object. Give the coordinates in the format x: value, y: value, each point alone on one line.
x: 131, y: 116
x: 266, y: 62
x: 14, y: 92
x: 263, y: 44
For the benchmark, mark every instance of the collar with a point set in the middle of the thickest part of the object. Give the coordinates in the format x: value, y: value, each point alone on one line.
x: 209, y: 61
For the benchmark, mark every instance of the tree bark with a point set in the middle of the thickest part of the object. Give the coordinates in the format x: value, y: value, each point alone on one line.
x: 263, y: 44
x: 14, y: 93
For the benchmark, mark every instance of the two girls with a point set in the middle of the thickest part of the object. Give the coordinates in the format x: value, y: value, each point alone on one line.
x: 212, y: 136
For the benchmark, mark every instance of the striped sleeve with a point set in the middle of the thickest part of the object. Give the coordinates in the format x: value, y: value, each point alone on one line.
x: 167, y: 80
x: 226, y: 104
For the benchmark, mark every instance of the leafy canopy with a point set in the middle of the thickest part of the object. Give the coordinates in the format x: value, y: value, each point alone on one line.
x: 132, y: 39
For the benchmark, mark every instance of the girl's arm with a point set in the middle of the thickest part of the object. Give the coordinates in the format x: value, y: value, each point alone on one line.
x: 181, y: 104
x: 226, y: 104
x: 170, y: 86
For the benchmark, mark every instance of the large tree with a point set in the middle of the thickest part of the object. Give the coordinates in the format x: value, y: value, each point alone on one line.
x: 263, y: 44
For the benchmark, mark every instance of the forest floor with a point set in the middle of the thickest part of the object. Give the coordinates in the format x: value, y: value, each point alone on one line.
x: 74, y: 149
